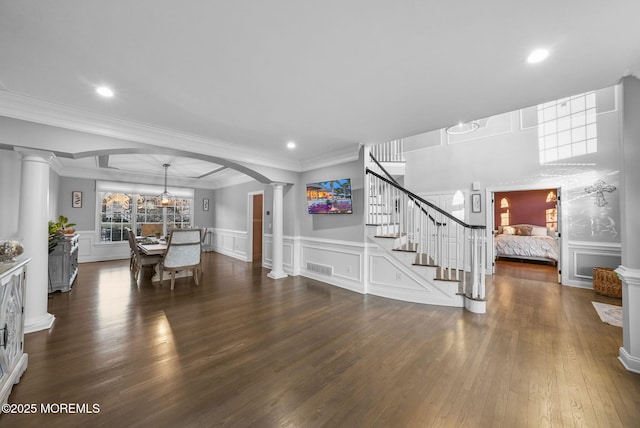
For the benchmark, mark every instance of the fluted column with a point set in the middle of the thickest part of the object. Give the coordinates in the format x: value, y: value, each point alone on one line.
x: 33, y: 229
x: 277, y: 244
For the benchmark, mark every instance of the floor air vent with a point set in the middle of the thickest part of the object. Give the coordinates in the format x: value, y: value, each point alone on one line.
x: 321, y: 269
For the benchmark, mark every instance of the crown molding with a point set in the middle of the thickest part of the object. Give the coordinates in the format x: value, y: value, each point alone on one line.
x: 35, y: 110
x: 349, y: 154
x: 28, y: 151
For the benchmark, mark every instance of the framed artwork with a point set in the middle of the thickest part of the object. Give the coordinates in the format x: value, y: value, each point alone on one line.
x: 475, y: 203
x: 205, y: 204
x: 76, y: 199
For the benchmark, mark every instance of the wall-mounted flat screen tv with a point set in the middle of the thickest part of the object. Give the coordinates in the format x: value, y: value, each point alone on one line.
x: 329, y: 197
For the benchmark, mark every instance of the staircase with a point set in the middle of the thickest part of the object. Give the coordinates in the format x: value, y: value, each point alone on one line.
x: 438, y: 259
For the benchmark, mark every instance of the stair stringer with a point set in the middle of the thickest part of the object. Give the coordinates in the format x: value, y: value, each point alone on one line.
x: 393, y: 277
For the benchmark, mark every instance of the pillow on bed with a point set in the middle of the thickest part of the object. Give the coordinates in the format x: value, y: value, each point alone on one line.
x: 539, y: 231
x: 509, y: 230
x: 523, y: 230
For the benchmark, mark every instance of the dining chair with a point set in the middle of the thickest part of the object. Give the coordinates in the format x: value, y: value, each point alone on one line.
x: 132, y: 255
x: 206, y: 240
x: 140, y: 260
x: 183, y: 253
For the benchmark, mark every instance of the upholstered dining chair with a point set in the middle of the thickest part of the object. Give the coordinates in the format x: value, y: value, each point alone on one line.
x: 183, y: 253
x: 139, y: 260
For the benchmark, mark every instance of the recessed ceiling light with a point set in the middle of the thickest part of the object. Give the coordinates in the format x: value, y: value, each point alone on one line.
x: 104, y: 91
x: 291, y: 145
x: 537, y: 55
x: 462, y: 128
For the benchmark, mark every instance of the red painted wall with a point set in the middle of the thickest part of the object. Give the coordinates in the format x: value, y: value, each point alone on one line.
x: 525, y: 207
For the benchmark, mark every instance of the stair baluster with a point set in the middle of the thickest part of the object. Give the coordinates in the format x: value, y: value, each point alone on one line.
x: 437, y: 237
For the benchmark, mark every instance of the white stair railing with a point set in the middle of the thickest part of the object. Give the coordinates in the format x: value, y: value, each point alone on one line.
x: 439, y: 238
x: 391, y: 151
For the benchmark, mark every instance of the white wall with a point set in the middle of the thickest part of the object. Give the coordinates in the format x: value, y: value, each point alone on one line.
x: 344, y: 227
x: 508, y: 159
x: 85, y: 216
x: 230, y: 205
x: 10, y: 167
x: 230, y: 227
x: 202, y: 218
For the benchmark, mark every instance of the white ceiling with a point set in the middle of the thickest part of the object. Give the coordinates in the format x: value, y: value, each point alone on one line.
x: 249, y: 76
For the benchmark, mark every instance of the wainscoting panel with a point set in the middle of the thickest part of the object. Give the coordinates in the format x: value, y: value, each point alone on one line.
x: 90, y: 250
x: 340, y: 263
x: 289, y: 252
x: 389, y: 278
x: 584, y: 256
x: 232, y: 243
x: 384, y: 272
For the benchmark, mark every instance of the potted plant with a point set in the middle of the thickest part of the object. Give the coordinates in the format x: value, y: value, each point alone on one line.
x: 58, y: 229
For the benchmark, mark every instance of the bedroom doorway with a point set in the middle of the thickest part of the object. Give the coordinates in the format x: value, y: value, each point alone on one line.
x: 526, y: 230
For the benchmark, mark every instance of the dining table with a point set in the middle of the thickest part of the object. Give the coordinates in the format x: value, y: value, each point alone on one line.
x: 153, y: 247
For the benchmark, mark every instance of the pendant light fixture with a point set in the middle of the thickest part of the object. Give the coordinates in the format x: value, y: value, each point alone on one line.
x: 165, y: 197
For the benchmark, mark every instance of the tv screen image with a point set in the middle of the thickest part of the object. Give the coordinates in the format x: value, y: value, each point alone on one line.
x: 329, y: 197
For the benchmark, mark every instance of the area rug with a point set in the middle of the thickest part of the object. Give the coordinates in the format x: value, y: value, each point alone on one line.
x: 609, y: 314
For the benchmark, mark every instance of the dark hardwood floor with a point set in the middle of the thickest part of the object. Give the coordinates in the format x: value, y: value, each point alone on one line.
x: 244, y: 350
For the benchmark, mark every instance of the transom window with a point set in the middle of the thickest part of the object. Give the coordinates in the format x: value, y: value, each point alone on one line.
x: 567, y: 127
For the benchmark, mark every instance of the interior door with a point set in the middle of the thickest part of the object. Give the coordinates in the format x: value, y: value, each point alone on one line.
x: 256, y: 252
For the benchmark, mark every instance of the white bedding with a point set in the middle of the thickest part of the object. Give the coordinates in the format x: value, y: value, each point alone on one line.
x: 538, y: 247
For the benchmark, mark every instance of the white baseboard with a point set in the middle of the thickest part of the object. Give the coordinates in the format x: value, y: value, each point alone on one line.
x: 45, y: 322
x: 629, y: 362
x: 338, y: 282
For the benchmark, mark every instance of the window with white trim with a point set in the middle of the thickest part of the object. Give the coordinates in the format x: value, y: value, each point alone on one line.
x: 567, y: 127
x: 138, y: 207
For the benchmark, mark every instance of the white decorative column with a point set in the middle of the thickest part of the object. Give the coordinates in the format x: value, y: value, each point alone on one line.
x: 629, y: 354
x: 629, y: 271
x: 277, y: 245
x: 34, y: 232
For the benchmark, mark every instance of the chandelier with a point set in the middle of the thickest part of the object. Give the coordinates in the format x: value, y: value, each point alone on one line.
x: 165, y: 197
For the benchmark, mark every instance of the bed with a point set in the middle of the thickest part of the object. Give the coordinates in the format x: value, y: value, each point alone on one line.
x: 526, y: 242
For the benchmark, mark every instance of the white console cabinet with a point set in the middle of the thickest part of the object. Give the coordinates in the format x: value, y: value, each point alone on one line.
x: 13, y: 360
